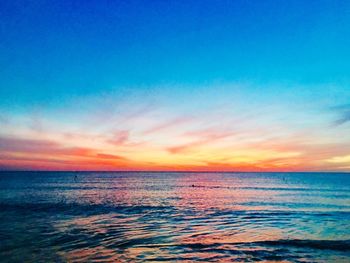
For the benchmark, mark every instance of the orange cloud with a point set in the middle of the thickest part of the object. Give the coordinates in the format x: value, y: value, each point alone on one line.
x: 44, y: 154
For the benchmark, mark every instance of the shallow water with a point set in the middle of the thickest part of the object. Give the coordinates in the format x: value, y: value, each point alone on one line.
x: 137, y: 217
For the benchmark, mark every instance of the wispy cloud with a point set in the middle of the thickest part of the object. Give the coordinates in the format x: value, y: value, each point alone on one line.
x: 110, y: 156
x: 167, y: 125
x: 209, y: 130
x: 340, y: 159
x: 119, y: 138
x: 343, y: 112
x: 202, y: 137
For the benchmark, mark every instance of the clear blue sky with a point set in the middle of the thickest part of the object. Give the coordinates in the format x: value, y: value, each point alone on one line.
x: 53, y: 49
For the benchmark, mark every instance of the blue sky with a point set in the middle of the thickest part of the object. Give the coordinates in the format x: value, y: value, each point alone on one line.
x: 53, y: 49
x: 63, y: 62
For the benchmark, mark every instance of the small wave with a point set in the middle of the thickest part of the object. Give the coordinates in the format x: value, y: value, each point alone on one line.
x: 337, y: 245
x: 80, y: 209
x: 253, y: 188
x: 291, y: 250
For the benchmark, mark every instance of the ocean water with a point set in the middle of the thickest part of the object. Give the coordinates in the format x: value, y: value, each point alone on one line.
x: 174, y: 217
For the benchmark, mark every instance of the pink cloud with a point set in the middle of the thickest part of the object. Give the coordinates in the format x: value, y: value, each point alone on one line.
x: 119, y: 138
x: 45, y: 153
x: 168, y: 124
x: 202, y: 137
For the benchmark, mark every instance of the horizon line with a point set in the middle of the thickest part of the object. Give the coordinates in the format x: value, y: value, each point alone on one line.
x: 165, y: 171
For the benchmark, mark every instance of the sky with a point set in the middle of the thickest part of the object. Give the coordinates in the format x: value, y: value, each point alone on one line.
x: 175, y: 85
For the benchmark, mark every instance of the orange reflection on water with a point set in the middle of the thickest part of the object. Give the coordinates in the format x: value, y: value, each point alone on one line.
x: 190, y: 217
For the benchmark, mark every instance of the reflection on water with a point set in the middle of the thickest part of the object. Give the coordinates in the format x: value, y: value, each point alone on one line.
x: 185, y: 217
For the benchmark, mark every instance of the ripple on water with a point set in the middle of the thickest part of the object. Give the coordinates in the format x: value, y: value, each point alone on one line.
x: 160, y: 217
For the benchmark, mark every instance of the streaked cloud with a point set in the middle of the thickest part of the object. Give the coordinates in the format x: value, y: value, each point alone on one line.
x: 119, y: 138
x: 213, y: 128
x: 343, y: 114
x: 340, y: 159
x: 167, y: 125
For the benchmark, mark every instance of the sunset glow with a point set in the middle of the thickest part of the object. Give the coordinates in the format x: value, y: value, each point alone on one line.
x: 120, y: 98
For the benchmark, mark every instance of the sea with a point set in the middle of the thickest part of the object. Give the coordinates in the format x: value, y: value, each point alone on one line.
x: 174, y: 217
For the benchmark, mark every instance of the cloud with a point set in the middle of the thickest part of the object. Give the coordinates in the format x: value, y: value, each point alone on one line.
x: 119, y: 138
x: 202, y: 137
x: 340, y: 159
x: 344, y: 118
x: 27, y: 145
x: 168, y: 124
x: 41, y: 146
x: 343, y: 114
x: 110, y: 156
x: 18, y: 152
x: 183, y: 148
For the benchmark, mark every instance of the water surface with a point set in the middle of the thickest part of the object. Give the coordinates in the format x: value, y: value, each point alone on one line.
x: 183, y: 217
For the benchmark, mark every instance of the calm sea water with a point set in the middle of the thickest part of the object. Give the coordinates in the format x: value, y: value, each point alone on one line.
x: 184, y: 217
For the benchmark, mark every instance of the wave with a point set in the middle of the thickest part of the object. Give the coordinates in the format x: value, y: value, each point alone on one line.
x: 339, y: 245
x: 293, y: 250
x: 77, y: 209
x: 103, y: 208
x: 336, y: 245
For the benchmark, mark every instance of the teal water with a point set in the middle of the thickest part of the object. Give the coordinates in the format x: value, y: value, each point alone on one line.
x: 174, y: 217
